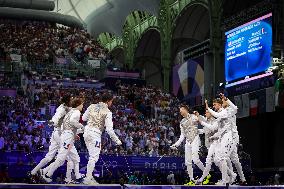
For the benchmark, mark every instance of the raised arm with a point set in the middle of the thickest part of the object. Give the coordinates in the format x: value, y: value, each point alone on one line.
x: 232, y: 106
x: 201, y: 118
x: 222, y: 114
x: 212, y: 127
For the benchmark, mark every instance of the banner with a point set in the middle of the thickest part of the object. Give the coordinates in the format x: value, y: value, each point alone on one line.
x: 122, y: 74
x: 188, y: 81
x: 105, y: 163
x: 94, y: 63
x: 78, y: 84
x: 251, y: 84
x: 16, y: 58
x: 8, y: 92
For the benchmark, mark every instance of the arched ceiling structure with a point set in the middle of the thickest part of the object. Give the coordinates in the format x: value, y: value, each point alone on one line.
x: 149, y: 45
x: 118, y: 55
x: 191, y: 27
x: 147, y: 57
x: 105, y: 15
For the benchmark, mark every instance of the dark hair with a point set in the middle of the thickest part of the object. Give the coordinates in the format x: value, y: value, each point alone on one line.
x: 185, y: 107
x: 218, y: 100
x: 107, y: 97
x: 76, y: 102
x: 66, y: 98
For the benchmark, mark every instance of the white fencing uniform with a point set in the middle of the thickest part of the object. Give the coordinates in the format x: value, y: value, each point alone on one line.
x: 67, y: 148
x: 232, y: 109
x: 57, y: 120
x: 189, y: 131
x: 224, y: 144
x: 210, y: 126
x: 99, y: 118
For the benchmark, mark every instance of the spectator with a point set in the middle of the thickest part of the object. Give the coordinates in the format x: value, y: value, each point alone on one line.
x: 171, y: 178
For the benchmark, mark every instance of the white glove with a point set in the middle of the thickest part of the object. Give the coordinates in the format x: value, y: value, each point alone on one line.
x: 50, y: 123
x: 173, y: 147
x: 118, y: 142
x: 80, y: 131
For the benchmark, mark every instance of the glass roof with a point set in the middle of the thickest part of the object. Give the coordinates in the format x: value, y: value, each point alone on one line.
x: 78, y: 8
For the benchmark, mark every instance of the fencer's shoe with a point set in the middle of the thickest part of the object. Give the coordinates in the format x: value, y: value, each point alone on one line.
x: 243, y: 183
x: 31, y: 178
x: 47, y: 178
x: 69, y: 181
x: 233, y: 178
x: 80, y: 178
x: 206, y: 180
x: 198, y: 182
x: 90, y: 181
x: 190, y: 183
x: 222, y: 183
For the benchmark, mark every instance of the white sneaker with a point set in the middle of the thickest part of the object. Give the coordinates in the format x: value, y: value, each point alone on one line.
x: 220, y: 183
x: 90, y: 181
x: 47, y: 178
x: 69, y: 181
x: 81, y: 176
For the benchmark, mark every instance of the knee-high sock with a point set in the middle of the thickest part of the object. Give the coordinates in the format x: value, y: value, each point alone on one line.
x: 45, y: 170
x: 224, y: 171
x: 239, y: 168
x: 199, y: 164
x: 230, y: 168
x: 76, y: 170
x: 206, y: 171
x: 41, y: 164
x: 70, y: 167
x: 190, y: 171
x: 54, y: 166
x: 90, y: 168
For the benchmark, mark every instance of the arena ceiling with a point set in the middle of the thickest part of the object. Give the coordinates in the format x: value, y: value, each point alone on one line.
x: 105, y: 15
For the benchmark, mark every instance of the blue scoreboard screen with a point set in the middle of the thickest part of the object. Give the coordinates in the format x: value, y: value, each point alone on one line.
x: 248, y: 48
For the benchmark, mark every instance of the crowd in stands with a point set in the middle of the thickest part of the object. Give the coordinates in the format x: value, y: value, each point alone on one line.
x: 39, y: 41
x: 145, y: 119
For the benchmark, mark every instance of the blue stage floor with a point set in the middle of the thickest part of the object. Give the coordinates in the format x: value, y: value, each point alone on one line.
x: 117, y: 186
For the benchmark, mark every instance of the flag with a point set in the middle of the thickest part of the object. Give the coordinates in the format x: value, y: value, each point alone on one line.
x: 238, y: 103
x: 253, y: 107
x: 270, y: 99
x: 245, y: 105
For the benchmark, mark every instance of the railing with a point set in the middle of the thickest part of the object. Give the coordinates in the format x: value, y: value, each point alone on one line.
x: 115, y: 42
x: 151, y: 21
